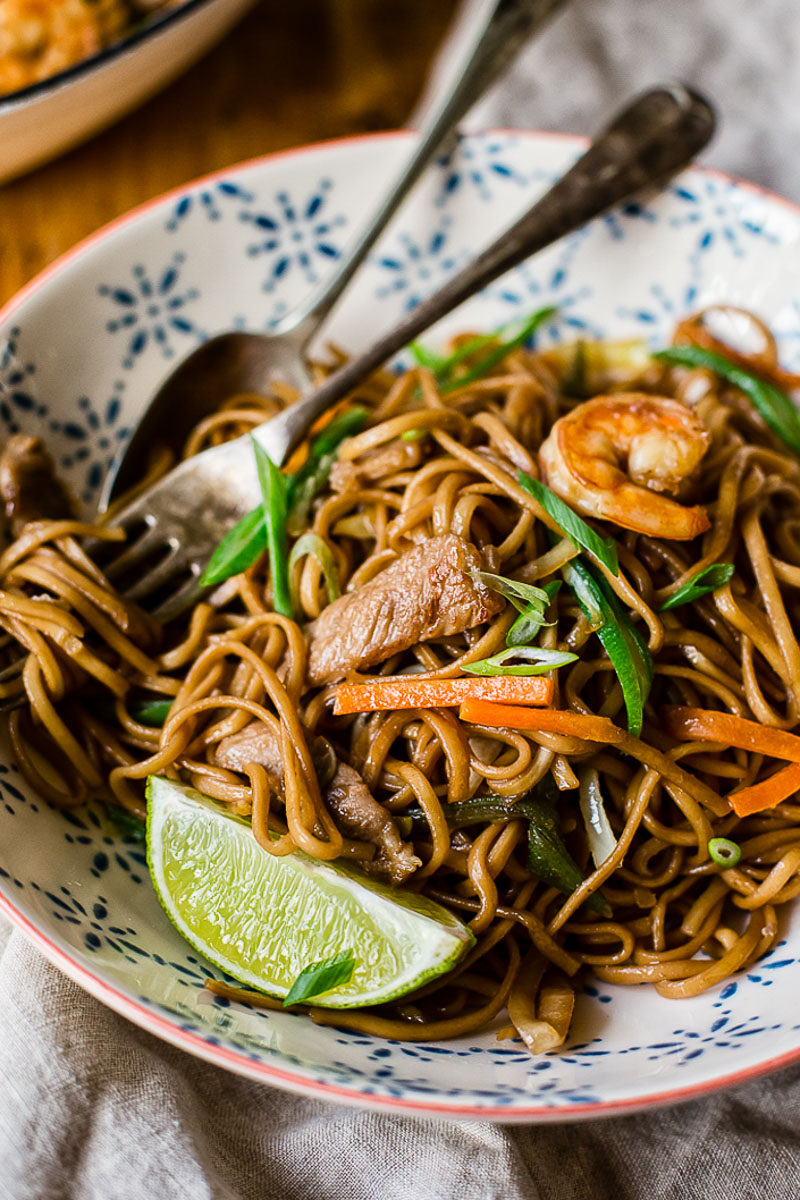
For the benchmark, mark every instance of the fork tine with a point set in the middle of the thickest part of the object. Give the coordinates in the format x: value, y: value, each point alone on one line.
x: 151, y: 581
x: 144, y: 546
x: 179, y: 601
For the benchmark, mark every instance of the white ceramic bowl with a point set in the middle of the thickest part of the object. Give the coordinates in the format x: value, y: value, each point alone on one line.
x: 41, y: 121
x: 84, y: 346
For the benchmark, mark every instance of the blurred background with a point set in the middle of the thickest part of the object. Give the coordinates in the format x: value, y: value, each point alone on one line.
x: 309, y: 70
x: 289, y: 73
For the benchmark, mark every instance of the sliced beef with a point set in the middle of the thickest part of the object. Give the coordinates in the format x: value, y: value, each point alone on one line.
x: 396, y: 456
x: 29, y: 488
x: 358, y: 814
x: 256, y: 743
x: 427, y: 593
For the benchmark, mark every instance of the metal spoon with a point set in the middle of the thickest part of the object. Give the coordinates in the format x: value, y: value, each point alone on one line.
x: 247, y: 362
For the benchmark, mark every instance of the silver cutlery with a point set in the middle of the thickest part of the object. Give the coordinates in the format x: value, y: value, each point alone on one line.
x: 181, y: 518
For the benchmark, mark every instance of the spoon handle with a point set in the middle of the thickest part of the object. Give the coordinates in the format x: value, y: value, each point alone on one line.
x: 647, y: 143
x: 506, y: 26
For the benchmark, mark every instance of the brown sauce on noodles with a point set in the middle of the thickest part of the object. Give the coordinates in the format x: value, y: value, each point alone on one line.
x: 679, y: 920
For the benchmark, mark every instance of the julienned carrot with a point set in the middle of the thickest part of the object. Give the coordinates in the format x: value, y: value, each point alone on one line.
x: 546, y: 720
x: 405, y: 691
x: 703, y: 724
x: 768, y: 793
x: 593, y: 729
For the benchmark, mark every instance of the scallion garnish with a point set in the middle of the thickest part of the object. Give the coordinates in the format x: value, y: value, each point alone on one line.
x: 774, y: 405
x: 238, y: 550
x: 321, y: 977
x: 313, y: 544
x: 425, y: 357
x: 573, y: 526
x: 724, y: 852
x: 621, y: 639
x: 537, y: 661
x: 127, y: 823
x: 548, y: 857
x: 274, y: 495
x: 151, y: 712
x: 499, y: 352
x: 466, y: 350
x: 531, y: 618
x: 530, y: 602
x: 247, y: 541
x: 444, y: 368
x: 309, y: 479
x: 708, y: 580
x: 521, y: 595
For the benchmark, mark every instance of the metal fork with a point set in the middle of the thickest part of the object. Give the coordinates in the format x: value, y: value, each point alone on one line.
x: 186, y: 513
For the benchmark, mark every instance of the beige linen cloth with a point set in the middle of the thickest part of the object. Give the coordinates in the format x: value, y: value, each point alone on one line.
x: 92, y: 1108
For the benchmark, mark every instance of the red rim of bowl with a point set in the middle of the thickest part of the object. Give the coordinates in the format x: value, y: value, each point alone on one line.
x: 143, y: 1016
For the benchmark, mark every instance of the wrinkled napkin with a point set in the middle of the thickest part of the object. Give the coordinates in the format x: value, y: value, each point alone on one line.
x: 93, y: 1108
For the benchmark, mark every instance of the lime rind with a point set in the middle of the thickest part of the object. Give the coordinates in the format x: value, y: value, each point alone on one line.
x: 262, y: 919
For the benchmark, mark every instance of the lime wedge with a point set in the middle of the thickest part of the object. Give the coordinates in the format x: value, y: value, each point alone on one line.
x: 263, y: 919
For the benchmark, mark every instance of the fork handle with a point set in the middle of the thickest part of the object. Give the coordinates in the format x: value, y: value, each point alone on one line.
x: 503, y: 31
x: 648, y: 142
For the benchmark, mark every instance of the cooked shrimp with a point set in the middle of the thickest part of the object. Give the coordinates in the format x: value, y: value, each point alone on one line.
x: 39, y: 38
x: 611, y: 456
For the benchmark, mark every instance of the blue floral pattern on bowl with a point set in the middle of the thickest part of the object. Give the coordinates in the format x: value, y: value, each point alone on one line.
x: 240, y: 249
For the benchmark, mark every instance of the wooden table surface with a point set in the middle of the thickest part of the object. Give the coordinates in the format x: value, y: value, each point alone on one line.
x: 290, y: 73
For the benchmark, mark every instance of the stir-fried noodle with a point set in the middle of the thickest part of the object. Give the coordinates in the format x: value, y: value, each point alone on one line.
x: 435, y: 463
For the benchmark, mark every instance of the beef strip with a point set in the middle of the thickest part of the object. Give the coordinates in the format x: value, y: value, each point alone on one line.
x: 390, y: 459
x: 256, y: 743
x: 29, y: 488
x: 358, y: 814
x: 426, y: 593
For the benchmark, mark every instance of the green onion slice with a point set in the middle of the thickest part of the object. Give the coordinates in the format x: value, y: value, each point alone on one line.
x: 531, y: 619
x: 424, y: 357
x: 313, y: 544
x: 321, y: 977
x: 151, y: 712
x: 246, y: 542
x: 575, y: 528
x: 238, y: 550
x: 499, y: 352
x: 708, y: 580
x: 344, y: 425
x: 521, y: 595
x: 309, y: 480
x: 724, y: 852
x: 274, y: 497
x: 466, y: 350
x: 444, y: 367
x: 621, y: 639
x: 774, y: 405
x: 537, y: 661
x: 127, y: 823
